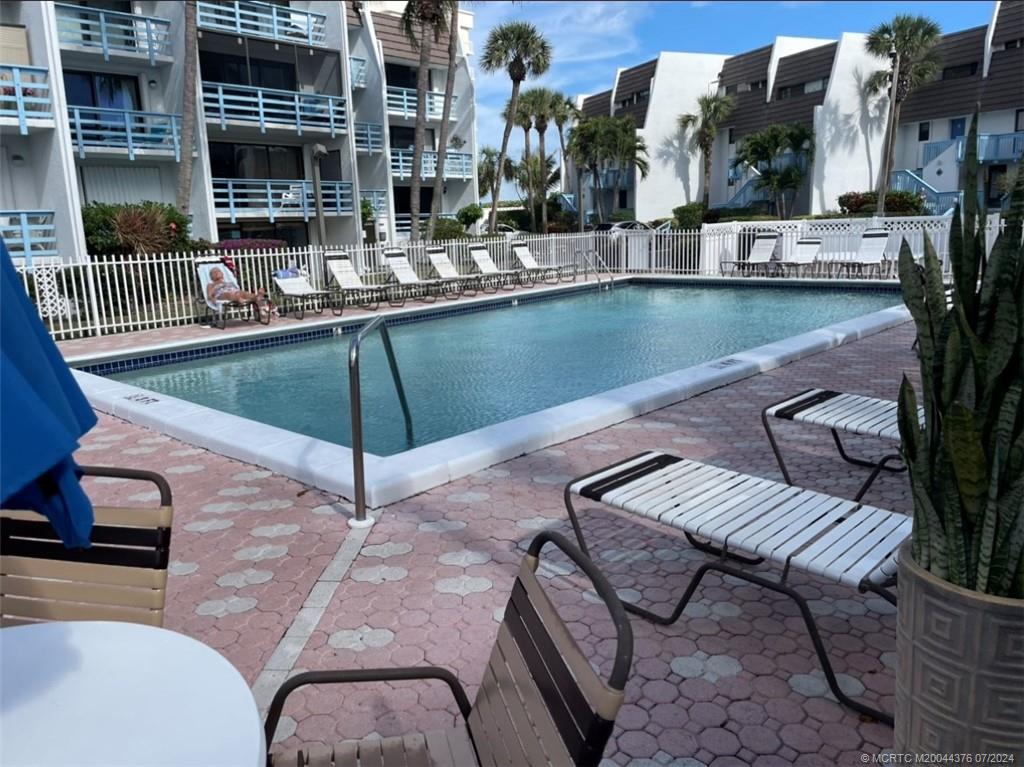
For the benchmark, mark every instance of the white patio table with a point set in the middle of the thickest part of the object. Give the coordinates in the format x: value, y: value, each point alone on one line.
x: 103, y: 693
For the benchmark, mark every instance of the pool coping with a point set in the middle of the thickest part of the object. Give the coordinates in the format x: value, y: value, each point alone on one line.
x: 392, y: 478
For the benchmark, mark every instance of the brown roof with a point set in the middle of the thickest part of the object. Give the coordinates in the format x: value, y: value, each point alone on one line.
x: 1009, y: 22
x: 943, y: 98
x: 352, y: 16
x: 635, y: 80
x: 398, y: 46
x: 598, y: 105
x: 750, y: 110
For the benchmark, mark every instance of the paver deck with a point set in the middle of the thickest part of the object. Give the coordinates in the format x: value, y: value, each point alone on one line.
x: 735, y: 681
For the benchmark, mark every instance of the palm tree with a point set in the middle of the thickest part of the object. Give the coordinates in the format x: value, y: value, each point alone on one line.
x: 522, y: 51
x: 587, y: 150
x: 183, y: 195
x: 565, y: 112
x: 423, y: 21
x: 534, y: 178
x: 909, y: 42
x: 523, y: 119
x: 782, y: 154
x: 625, y: 149
x: 543, y: 103
x: 446, y: 113
x: 487, y: 168
x: 712, y: 110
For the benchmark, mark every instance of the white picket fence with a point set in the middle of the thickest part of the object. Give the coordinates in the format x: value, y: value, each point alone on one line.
x: 123, y: 294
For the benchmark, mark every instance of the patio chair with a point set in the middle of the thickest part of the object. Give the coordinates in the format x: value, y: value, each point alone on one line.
x: 805, y: 254
x: 743, y: 519
x: 408, y: 284
x: 218, y: 309
x: 540, y: 701
x: 531, y: 272
x: 468, y: 284
x: 759, y: 258
x: 350, y: 284
x: 121, y: 577
x: 870, y: 255
x: 491, y: 277
x: 296, y: 290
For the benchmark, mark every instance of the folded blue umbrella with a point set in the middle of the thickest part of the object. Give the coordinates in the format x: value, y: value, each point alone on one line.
x: 43, y: 413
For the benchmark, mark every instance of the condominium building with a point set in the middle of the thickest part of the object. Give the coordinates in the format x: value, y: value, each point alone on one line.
x: 303, y: 109
x: 820, y: 83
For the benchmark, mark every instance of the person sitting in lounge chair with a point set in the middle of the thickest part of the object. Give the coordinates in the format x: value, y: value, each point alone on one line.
x: 220, y: 289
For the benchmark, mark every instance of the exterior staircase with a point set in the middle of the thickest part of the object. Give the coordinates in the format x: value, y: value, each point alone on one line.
x: 935, y: 202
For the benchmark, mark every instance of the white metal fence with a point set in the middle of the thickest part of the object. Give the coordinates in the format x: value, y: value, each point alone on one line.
x: 128, y: 293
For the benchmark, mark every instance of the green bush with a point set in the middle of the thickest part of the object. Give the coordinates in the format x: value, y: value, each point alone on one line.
x: 469, y: 215
x: 517, y: 219
x: 134, y: 228
x: 689, y: 216
x: 896, y: 203
x: 366, y: 211
x: 449, y: 229
x: 625, y: 214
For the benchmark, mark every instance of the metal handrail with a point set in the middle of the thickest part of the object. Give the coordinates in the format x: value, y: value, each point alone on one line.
x: 596, y: 261
x: 355, y: 406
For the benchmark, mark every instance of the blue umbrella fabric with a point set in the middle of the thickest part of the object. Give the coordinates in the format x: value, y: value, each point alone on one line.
x: 42, y: 415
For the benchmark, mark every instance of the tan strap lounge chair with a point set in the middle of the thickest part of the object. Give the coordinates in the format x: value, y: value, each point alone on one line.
x: 491, y: 277
x: 350, y: 284
x: 760, y: 257
x: 804, y: 256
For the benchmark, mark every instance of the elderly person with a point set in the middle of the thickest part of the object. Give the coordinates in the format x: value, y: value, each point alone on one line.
x: 220, y: 289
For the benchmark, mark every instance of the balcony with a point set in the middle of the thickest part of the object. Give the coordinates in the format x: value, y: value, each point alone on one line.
x: 992, y: 148
x: 267, y: 107
x: 25, y: 98
x: 29, y: 234
x: 457, y: 165
x: 403, y: 221
x: 369, y: 137
x: 266, y: 20
x: 113, y: 131
x: 235, y: 198
x: 933, y: 149
x: 378, y: 199
x: 402, y: 101
x: 357, y: 71
x: 113, y: 33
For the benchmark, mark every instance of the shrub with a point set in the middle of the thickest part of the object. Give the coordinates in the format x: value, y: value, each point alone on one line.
x: 449, y: 229
x: 250, y: 243
x: 131, y: 228
x: 896, y: 203
x: 469, y: 215
x: 688, y: 216
x: 625, y: 214
x: 558, y: 227
x: 199, y: 246
x: 366, y: 211
x: 518, y: 219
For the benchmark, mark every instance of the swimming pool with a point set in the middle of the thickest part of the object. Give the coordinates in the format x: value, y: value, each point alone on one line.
x: 469, y: 371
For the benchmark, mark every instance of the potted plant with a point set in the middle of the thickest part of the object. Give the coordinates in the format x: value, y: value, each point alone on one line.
x: 960, y: 625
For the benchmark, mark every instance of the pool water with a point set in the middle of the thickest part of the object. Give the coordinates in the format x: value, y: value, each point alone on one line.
x: 473, y: 370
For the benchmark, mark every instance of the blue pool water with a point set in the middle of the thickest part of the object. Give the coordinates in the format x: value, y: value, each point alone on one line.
x: 472, y: 370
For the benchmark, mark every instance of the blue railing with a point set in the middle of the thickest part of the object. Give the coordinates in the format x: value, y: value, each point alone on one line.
x: 265, y: 198
x: 274, y: 22
x: 29, y: 234
x: 1001, y: 147
x: 403, y: 221
x: 25, y: 95
x: 369, y: 137
x: 933, y: 149
x: 357, y: 71
x: 111, y: 31
x: 124, y: 129
x: 935, y: 202
x: 378, y: 199
x: 402, y: 101
x: 224, y: 103
x: 748, y: 194
x: 456, y: 164
x: 568, y: 202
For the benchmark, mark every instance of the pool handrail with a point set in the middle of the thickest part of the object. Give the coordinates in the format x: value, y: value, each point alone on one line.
x: 593, y: 260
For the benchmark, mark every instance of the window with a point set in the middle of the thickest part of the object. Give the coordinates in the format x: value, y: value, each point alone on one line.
x: 403, y: 137
x: 743, y: 88
x: 400, y: 75
x: 959, y: 71
x: 330, y: 166
x: 224, y: 68
x: 104, y: 91
x: 758, y: 85
x: 623, y: 199
x: 786, y: 91
x: 924, y: 131
x: 730, y: 89
x: 815, y: 85
x: 1018, y: 120
x: 1009, y: 45
x: 257, y: 161
x: 957, y: 127
x: 732, y: 135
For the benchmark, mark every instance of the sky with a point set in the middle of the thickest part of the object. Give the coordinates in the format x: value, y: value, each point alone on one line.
x: 592, y: 38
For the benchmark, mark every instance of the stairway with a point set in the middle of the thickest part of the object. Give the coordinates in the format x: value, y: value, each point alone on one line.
x: 935, y: 202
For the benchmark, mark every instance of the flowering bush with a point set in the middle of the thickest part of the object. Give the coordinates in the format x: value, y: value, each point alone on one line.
x: 134, y: 228
x: 865, y: 203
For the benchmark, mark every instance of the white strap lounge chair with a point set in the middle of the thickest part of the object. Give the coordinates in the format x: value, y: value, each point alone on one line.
x: 531, y: 271
x: 804, y: 255
x: 463, y: 284
x: 297, y: 291
x: 731, y: 515
x: 408, y: 283
x: 760, y: 257
x: 492, y: 277
x: 869, y: 256
x: 218, y: 309
x: 351, y: 285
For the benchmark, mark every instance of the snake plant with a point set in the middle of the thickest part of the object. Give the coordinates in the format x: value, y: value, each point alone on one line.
x: 965, y: 453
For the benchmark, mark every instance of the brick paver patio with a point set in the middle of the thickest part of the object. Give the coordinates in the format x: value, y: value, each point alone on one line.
x: 257, y: 573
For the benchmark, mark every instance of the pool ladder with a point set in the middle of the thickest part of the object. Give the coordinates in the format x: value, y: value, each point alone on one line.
x: 356, y: 408
x: 596, y: 264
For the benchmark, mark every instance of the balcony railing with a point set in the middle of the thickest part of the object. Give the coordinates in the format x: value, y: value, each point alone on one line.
x: 225, y: 103
x: 272, y: 199
x: 378, y: 200
x: 403, y: 221
x: 111, y: 31
x: 1001, y: 147
x: 369, y: 137
x: 357, y: 71
x: 935, y: 202
x: 25, y: 95
x: 402, y: 101
x: 29, y: 234
x: 456, y: 164
x: 933, y: 149
x: 254, y: 19
x: 93, y: 128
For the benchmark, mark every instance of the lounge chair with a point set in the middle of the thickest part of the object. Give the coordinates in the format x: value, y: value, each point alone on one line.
x: 870, y: 255
x: 218, y: 309
x: 540, y: 701
x: 531, y: 272
x: 350, y: 284
x: 744, y: 519
x: 409, y: 285
x: 296, y: 289
x: 121, y: 577
x: 491, y: 277
x: 759, y: 258
x: 804, y: 255
x: 468, y: 284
